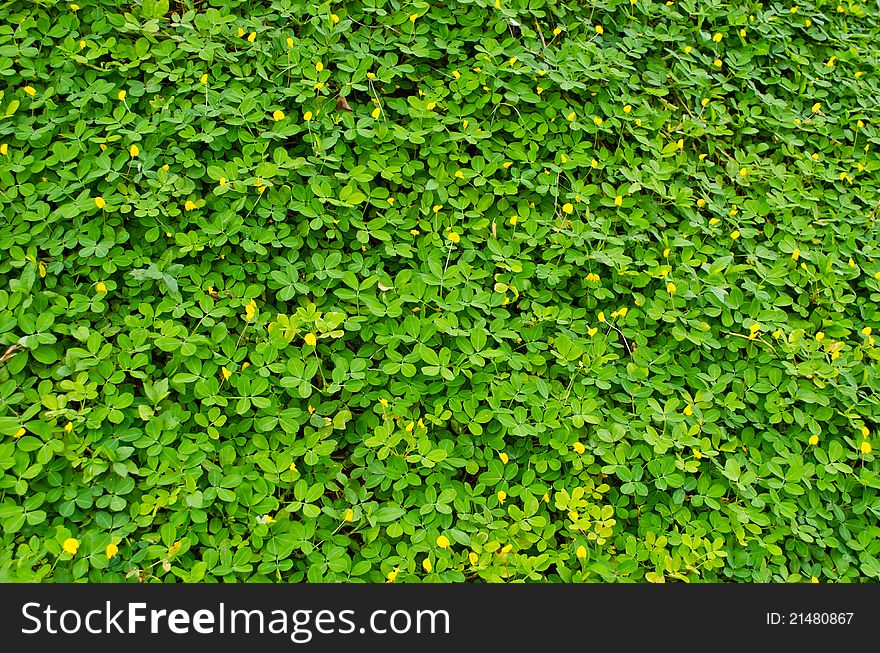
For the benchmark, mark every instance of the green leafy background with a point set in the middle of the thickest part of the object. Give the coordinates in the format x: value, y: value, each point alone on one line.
x: 583, y: 281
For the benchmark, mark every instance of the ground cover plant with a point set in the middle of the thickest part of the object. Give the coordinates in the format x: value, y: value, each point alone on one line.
x: 464, y: 291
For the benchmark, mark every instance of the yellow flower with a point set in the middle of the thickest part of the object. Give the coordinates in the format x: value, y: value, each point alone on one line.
x: 473, y: 558
x: 252, y: 36
x: 456, y: 74
x: 851, y: 263
x: 383, y: 403
x: 504, y: 458
x: 742, y: 32
x: 734, y: 234
x: 189, y: 205
x: 292, y: 467
x: 600, y: 29
x: 164, y: 167
x: 618, y: 200
x: 222, y: 181
x: 349, y: 515
x: 697, y: 454
x: 581, y: 552
x: 319, y: 67
x: 717, y: 38
x: 289, y: 42
x: 459, y: 174
x: 111, y: 550
x: 498, y: 4
x: 392, y: 575
x: 578, y: 447
x: 877, y: 275
x: 240, y: 32
x: 69, y: 427
x: 121, y: 95
x: 688, y: 410
x: 4, y: 148
x: 817, y: 107
x: 814, y: 579
x: 687, y: 49
x: 601, y: 316
x: 100, y: 203
x: 594, y: 163
x: 718, y: 63
x: 820, y: 336
x: 814, y: 440
x: 310, y: 339
x: 82, y: 44
x: 568, y: 208
x: 704, y: 101
x: 376, y: 112
x: 74, y: 7
x: 278, y: 114
x: 443, y: 542
x: 796, y: 254
x: 101, y: 286
x: 307, y: 116
x: 670, y: 288
x: 502, y: 495
x: 592, y: 331
x: 30, y: 90
x: 557, y: 31
x: 513, y: 60
x: 743, y: 172
x: 570, y: 116
x: 20, y: 432
x: 866, y: 331
x: 426, y: 563
x: 334, y: 18
x: 454, y: 237
x: 133, y: 150
x: 225, y: 373
x: 413, y: 18
x: 597, y: 120
x: 391, y: 201
x: 513, y: 220
x: 865, y: 447
x: 627, y: 108
x: 250, y: 310
x: 70, y: 545
x: 506, y: 165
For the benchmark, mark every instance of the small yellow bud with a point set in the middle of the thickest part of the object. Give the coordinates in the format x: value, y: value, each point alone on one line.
x: 310, y: 339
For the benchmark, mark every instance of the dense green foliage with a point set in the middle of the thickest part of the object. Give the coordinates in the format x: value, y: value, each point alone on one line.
x: 455, y: 291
